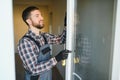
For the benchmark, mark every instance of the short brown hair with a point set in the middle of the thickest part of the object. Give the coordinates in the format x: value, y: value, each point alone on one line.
x: 27, y: 11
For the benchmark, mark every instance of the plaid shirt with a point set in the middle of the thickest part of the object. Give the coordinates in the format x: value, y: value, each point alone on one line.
x: 28, y: 51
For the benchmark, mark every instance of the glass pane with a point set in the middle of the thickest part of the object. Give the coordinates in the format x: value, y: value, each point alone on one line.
x: 94, y: 19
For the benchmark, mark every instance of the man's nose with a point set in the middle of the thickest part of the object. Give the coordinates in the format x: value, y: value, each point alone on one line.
x: 41, y: 18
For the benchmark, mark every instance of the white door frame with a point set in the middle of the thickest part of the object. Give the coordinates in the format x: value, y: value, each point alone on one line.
x: 7, y: 65
x: 116, y: 47
x: 70, y: 38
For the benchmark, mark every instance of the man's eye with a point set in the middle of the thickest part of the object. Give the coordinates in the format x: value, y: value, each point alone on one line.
x: 37, y: 16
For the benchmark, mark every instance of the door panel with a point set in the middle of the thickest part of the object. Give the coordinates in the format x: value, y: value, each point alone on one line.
x: 93, y: 24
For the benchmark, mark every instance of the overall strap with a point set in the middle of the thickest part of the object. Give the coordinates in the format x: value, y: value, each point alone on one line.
x: 45, y: 39
x: 36, y: 42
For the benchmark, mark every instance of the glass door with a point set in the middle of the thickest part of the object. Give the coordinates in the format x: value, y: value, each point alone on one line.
x: 90, y: 37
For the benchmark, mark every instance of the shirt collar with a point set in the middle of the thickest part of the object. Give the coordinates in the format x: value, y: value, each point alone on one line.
x: 31, y: 33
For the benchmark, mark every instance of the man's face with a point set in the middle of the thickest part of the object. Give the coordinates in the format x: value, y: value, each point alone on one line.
x: 36, y: 19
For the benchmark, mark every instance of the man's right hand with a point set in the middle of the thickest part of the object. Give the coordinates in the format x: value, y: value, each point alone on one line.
x: 62, y: 55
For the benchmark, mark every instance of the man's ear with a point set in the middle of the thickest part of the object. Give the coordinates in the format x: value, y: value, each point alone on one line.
x: 28, y: 21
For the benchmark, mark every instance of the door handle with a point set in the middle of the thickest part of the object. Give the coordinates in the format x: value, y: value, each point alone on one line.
x: 75, y: 74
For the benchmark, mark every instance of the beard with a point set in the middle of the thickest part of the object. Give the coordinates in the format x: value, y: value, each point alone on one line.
x: 38, y: 26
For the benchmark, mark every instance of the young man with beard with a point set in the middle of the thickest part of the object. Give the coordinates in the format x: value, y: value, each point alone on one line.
x: 34, y: 47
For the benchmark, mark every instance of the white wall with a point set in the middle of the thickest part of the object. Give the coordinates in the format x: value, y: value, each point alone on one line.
x: 7, y: 66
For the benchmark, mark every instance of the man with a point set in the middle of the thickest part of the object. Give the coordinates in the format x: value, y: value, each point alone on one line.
x: 34, y: 47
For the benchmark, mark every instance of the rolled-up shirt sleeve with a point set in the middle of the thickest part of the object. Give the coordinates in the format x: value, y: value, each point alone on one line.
x: 56, y: 39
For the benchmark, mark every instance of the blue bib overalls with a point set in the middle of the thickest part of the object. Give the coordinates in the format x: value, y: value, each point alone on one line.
x: 44, y: 55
